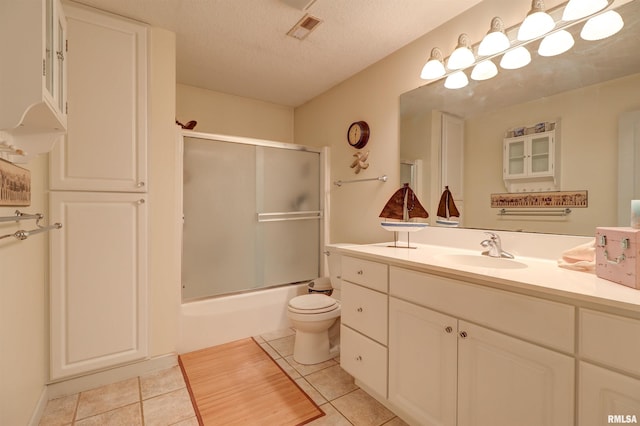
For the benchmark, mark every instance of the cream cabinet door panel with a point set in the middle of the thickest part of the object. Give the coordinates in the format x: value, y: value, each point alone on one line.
x: 365, y: 310
x: 364, y: 359
x: 503, y: 381
x: 105, y: 145
x: 606, y: 397
x: 422, y: 363
x: 98, y: 281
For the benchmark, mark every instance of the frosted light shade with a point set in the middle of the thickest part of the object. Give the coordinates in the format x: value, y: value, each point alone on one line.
x: 462, y: 57
x: 457, y: 80
x: 432, y: 69
x: 602, y: 26
x: 492, y: 43
x: 535, y: 25
x: 484, y: 70
x: 577, y: 9
x: 556, y: 43
x: 516, y: 58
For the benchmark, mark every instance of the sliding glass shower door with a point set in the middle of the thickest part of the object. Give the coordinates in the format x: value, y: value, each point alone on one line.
x: 252, y: 216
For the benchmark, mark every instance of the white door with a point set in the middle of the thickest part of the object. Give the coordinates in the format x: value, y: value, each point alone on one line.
x: 606, y: 397
x: 98, y: 281
x: 422, y: 363
x: 105, y: 145
x: 503, y: 381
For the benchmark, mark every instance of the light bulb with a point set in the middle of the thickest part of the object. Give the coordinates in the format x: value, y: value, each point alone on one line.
x: 537, y: 23
x: 556, y: 43
x: 516, y: 58
x: 457, y: 80
x: 462, y: 57
x: 495, y: 41
x: 602, y: 26
x: 484, y: 70
x: 434, y: 67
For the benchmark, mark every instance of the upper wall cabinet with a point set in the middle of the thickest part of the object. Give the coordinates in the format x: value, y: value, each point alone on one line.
x: 105, y: 148
x: 531, y: 162
x: 33, y: 84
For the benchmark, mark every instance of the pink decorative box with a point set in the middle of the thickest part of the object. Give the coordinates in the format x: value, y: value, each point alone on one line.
x: 617, y: 255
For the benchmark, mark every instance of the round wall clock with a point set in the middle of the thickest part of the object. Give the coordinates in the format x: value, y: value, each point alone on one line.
x: 358, y: 134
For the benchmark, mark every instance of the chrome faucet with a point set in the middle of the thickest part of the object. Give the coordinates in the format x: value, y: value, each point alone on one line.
x: 495, y: 246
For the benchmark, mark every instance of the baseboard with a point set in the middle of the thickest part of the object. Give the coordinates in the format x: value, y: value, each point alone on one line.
x: 39, y: 408
x: 112, y: 375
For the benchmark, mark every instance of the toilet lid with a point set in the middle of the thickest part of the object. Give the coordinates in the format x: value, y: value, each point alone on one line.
x: 313, y: 304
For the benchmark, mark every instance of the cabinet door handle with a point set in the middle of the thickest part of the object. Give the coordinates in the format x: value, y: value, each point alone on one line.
x: 358, y: 358
x: 360, y: 272
x: 463, y: 334
x: 140, y: 184
x: 359, y: 309
x: 449, y: 329
x: 140, y: 201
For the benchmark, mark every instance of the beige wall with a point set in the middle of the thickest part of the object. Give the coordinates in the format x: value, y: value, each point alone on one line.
x: 589, y: 154
x: 225, y: 114
x: 373, y: 95
x: 24, y: 306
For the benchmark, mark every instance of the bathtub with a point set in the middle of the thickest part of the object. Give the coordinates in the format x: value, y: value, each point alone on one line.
x: 214, y: 321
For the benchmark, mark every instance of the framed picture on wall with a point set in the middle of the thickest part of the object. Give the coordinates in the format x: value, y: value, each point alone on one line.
x: 15, y: 185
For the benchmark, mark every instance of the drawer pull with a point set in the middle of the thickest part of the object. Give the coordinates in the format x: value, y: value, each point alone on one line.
x: 359, y: 309
x: 449, y: 329
x: 463, y: 334
x: 360, y: 272
x: 358, y: 358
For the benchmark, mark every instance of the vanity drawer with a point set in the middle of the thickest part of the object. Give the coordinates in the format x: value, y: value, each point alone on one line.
x: 610, y: 339
x: 538, y: 320
x: 365, y: 272
x: 365, y: 310
x: 364, y: 359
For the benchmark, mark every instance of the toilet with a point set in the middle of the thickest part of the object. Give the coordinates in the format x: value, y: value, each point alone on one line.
x: 316, y: 319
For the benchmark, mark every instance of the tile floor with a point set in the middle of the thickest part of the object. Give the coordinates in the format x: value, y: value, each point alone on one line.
x: 162, y: 399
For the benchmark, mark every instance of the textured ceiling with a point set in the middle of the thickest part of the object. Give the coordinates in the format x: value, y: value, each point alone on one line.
x: 240, y: 47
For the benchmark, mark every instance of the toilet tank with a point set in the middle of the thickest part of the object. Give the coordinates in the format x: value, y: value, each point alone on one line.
x: 334, y: 264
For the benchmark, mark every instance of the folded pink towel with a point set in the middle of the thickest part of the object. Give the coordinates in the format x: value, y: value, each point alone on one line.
x: 580, y: 258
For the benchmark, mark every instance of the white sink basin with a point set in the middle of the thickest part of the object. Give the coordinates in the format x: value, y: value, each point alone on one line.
x: 482, y: 261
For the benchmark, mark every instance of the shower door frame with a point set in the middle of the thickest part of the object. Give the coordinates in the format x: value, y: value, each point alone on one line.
x: 323, y: 217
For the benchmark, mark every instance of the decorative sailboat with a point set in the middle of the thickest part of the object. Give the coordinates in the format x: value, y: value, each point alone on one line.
x: 403, y: 206
x: 447, y: 209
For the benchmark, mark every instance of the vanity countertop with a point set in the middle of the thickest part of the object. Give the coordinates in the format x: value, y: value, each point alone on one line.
x: 525, y: 274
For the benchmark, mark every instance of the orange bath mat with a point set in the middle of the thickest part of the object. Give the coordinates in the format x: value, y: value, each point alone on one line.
x: 238, y: 383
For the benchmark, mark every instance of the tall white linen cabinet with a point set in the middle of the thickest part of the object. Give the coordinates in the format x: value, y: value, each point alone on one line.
x: 98, y: 181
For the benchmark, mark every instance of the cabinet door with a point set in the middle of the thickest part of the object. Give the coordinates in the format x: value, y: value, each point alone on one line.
x: 364, y: 359
x: 422, y: 363
x: 515, y: 156
x: 503, y: 381
x: 606, y: 397
x: 541, y: 155
x: 105, y: 145
x: 98, y: 281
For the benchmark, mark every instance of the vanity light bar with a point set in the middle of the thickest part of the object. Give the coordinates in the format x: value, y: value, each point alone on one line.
x: 556, y: 13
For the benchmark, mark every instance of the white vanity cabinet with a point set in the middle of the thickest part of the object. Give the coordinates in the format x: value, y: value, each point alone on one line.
x: 33, y: 85
x: 530, y: 157
x: 363, y: 332
x: 105, y: 148
x: 443, y: 368
x: 612, y: 387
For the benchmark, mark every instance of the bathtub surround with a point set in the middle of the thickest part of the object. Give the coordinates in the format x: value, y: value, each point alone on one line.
x: 238, y: 383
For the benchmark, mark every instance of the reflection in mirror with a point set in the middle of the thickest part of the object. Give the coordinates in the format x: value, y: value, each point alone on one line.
x: 589, y: 92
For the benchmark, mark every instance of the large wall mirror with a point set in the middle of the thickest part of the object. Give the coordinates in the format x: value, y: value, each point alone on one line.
x: 591, y: 91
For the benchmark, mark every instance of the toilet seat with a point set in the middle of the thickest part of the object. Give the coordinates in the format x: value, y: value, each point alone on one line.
x: 313, y: 304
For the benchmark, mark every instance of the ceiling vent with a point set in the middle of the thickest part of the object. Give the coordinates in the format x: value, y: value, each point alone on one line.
x: 304, y: 27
